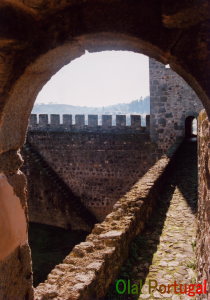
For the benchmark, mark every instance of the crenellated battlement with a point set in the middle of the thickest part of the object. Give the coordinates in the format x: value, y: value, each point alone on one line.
x: 53, y: 122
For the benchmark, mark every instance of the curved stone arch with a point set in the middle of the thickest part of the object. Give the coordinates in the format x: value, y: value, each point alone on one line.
x: 37, y: 31
x: 194, y: 114
x: 23, y: 93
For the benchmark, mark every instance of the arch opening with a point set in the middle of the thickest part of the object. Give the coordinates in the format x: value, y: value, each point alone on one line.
x: 162, y: 125
x: 102, y: 199
x: 43, y: 44
x: 46, y: 65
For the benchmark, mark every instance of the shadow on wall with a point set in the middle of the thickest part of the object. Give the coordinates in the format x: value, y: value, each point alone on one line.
x: 127, y: 162
x: 51, y: 201
x: 98, y: 168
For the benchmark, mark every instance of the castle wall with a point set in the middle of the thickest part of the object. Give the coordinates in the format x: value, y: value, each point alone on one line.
x: 109, y: 123
x: 51, y: 202
x: 40, y: 37
x: 172, y: 100
x: 98, y: 165
x: 203, y: 241
x: 89, y: 269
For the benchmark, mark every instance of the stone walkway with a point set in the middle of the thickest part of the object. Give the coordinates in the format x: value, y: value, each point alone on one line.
x: 165, y: 251
x: 174, y: 259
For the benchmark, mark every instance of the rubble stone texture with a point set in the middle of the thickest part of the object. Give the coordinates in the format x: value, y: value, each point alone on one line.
x: 94, y: 157
x: 165, y: 250
x: 99, y: 168
x: 50, y: 200
x: 174, y: 258
x: 172, y: 100
x: 203, y: 244
x: 91, y: 266
x: 38, y: 37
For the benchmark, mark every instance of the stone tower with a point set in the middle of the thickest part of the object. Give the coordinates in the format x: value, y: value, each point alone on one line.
x: 171, y: 101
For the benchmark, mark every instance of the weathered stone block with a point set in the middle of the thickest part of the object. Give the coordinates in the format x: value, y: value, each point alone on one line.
x: 162, y: 122
x: 106, y: 120
x: 43, y: 119
x: 55, y: 119
x: 67, y: 120
x: 120, y: 120
x: 163, y: 99
x: 135, y: 121
x: 79, y: 120
x: 162, y: 110
x: 148, y: 122
x: 33, y: 120
x: 92, y: 120
x: 169, y: 115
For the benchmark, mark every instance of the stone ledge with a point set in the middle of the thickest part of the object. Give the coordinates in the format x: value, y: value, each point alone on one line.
x: 88, y: 270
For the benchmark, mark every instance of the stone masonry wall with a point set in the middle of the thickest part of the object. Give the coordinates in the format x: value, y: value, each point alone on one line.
x: 203, y: 244
x: 171, y: 101
x: 109, y: 123
x: 51, y: 202
x: 99, y: 167
x: 87, y: 272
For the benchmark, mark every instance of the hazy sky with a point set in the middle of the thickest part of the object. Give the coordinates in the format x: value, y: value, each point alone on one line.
x: 99, y: 79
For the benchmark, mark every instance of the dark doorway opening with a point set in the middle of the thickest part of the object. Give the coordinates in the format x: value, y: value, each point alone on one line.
x: 190, y: 127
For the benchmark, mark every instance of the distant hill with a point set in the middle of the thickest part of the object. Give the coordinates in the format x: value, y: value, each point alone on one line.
x: 141, y: 106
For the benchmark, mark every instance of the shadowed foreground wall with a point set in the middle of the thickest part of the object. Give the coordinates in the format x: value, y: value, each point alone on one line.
x: 39, y: 37
x: 98, y: 167
x: 203, y: 247
x: 15, y: 259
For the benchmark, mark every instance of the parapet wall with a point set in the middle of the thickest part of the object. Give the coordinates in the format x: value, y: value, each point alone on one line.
x: 99, y: 167
x: 87, y: 272
x: 44, y: 122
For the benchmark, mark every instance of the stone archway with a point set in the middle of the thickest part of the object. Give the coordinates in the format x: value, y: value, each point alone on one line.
x: 23, y: 93
x: 51, y: 35
x: 39, y: 37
